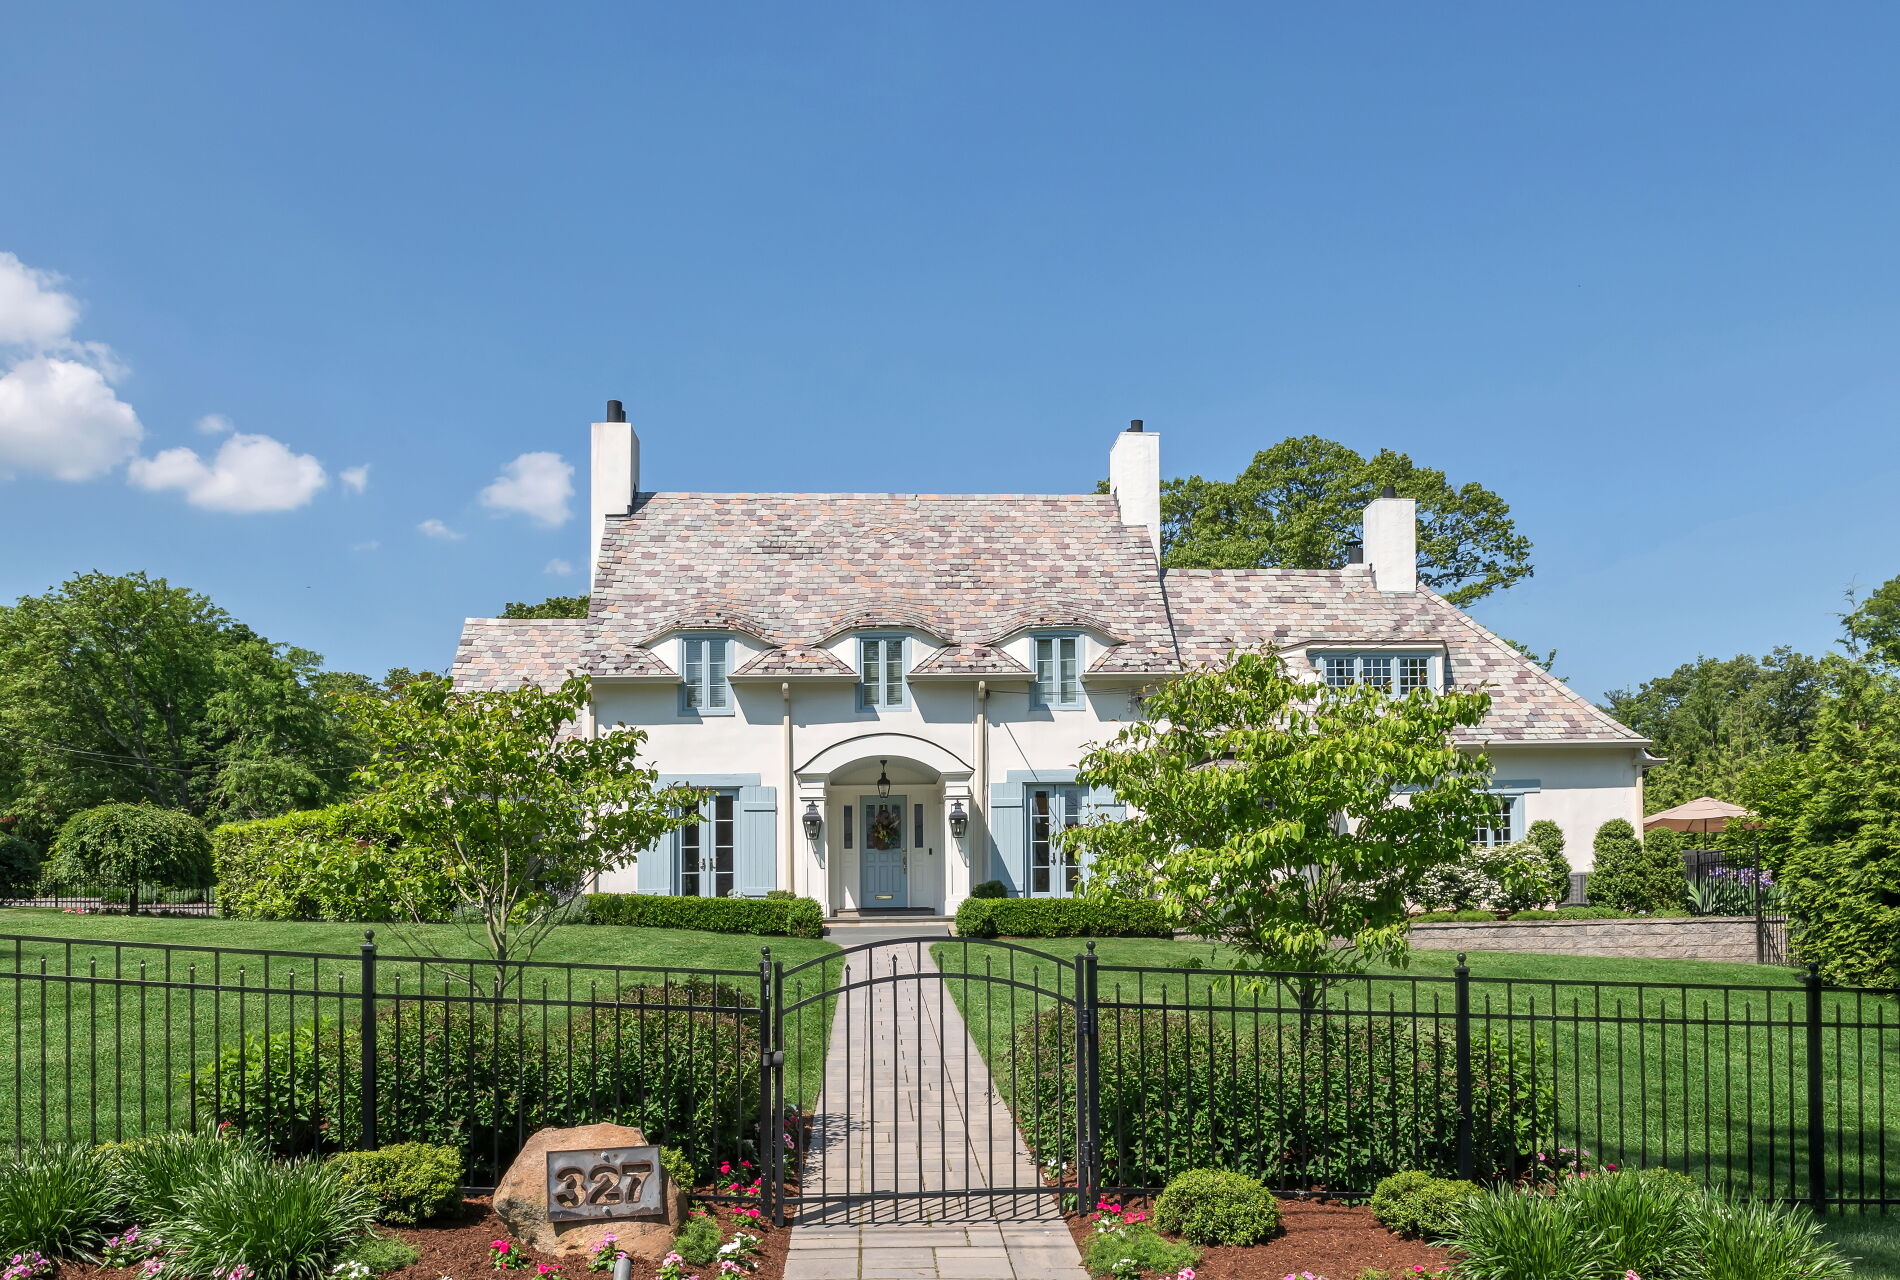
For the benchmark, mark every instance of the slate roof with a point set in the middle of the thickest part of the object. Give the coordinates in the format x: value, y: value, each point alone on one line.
x: 1217, y: 610
x: 798, y: 568
x: 796, y: 660
x: 970, y: 660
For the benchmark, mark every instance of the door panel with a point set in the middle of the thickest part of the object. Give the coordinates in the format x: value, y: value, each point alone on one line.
x: 885, y: 861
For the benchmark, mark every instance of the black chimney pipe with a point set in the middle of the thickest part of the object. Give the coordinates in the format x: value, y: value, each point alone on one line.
x: 615, y: 413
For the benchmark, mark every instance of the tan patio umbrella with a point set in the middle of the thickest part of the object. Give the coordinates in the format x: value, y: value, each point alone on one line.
x: 1702, y: 816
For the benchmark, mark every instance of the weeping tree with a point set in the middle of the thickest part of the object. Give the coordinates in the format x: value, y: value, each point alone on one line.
x: 132, y: 849
x: 1285, y: 817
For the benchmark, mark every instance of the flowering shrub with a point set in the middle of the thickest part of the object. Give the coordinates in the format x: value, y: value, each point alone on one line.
x: 503, y: 1256
x: 733, y: 1182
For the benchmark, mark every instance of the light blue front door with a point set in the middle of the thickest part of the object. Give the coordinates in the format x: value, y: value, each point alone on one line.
x: 885, y: 864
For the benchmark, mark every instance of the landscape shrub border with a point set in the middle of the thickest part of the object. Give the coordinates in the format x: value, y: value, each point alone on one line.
x: 1542, y: 914
x: 773, y: 917
x: 1062, y: 918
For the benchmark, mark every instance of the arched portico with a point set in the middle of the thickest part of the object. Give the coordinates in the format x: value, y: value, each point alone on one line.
x: 886, y: 846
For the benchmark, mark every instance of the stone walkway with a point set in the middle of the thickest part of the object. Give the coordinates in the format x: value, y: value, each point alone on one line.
x: 908, y: 1106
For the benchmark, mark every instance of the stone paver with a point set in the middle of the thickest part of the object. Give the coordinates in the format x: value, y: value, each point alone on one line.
x: 908, y: 1105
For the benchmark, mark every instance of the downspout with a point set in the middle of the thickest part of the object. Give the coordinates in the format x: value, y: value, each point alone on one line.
x: 980, y: 785
x: 788, y: 821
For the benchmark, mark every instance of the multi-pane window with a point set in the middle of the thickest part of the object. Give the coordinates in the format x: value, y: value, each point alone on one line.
x: 1499, y: 821
x: 881, y: 671
x: 1393, y: 672
x: 705, y: 663
x: 706, y: 850
x: 1058, y: 669
x: 1054, y: 872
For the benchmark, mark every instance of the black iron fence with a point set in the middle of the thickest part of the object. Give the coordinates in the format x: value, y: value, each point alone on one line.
x: 1116, y: 1076
x: 82, y: 897
x: 311, y: 1052
x: 1320, y: 1083
x: 1735, y: 882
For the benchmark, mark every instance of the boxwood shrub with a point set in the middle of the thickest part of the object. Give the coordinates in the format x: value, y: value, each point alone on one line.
x: 1470, y: 915
x: 412, y: 1181
x: 1061, y: 918
x: 1331, y: 1105
x: 774, y: 917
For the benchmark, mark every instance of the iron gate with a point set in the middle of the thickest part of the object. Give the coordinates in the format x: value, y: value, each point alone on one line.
x: 907, y: 1110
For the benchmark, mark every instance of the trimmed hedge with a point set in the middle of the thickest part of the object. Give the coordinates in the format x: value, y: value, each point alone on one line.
x: 412, y: 1181
x: 1061, y: 918
x: 1470, y: 916
x: 774, y: 917
x: 325, y: 864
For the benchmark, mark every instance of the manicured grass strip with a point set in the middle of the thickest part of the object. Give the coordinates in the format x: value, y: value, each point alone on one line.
x: 1699, y: 1067
x: 110, y: 1059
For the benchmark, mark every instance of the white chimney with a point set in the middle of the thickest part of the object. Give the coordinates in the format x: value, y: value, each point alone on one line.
x: 1391, y: 534
x: 615, y: 478
x: 1134, y: 477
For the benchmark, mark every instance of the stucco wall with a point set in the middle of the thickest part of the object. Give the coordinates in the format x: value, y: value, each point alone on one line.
x: 1579, y: 788
x: 1729, y: 938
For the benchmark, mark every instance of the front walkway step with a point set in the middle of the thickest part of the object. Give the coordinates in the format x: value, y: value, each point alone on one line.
x: 908, y: 1105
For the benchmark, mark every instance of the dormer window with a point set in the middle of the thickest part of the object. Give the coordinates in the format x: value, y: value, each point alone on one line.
x: 1058, y: 671
x: 705, y: 662
x: 881, y: 672
x: 1397, y: 673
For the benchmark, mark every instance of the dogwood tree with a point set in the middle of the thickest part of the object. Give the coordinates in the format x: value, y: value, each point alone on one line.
x: 522, y: 810
x: 1284, y: 817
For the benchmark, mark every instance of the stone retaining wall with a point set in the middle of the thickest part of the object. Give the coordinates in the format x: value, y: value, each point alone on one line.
x: 1729, y: 938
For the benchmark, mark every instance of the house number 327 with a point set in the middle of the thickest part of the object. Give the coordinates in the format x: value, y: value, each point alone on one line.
x: 616, y: 1183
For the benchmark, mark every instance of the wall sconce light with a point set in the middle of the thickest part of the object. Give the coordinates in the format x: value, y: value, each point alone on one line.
x: 814, y: 824
x: 959, y: 821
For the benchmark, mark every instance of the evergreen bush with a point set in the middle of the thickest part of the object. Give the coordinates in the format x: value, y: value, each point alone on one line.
x: 1419, y: 1205
x: 1212, y: 1206
x: 19, y: 866
x: 1632, y: 876
x: 1062, y: 918
x: 412, y: 1181
x: 1548, y: 839
x: 769, y: 916
x: 989, y: 889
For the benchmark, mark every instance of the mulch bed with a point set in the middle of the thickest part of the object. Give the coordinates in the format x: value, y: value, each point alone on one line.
x: 457, y: 1247
x: 1337, y: 1241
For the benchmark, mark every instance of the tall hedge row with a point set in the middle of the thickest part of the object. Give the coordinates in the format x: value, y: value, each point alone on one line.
x: 325, y: 864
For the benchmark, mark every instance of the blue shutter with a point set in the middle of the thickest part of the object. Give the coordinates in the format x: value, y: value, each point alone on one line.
x: 1100, y: 805
x: 653, y: 873
x: 1009, y: 840
x: 758, y: 841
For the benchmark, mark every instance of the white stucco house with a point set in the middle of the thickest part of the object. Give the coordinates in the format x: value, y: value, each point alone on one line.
x: 887, y: 669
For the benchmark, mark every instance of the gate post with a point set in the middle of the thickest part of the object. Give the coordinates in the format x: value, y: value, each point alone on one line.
x: 768, y: 1149
x: 1088, y: 1159
x: 1461, y: 1029
x: 366, y: 1000
x: 1817, y: 1117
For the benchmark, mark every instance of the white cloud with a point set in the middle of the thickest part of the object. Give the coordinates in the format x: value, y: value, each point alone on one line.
x: 434, y: 528
x: 34, y: 312
x: 355, y: 479
x: 536, y: 485
x: 249, y: 473
x: 558, y: 567
x: 371, y: 545
x: 61, y: 417
x: 215, y: 424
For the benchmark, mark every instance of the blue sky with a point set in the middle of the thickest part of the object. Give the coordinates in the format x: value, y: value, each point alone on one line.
x: 1632, y: 266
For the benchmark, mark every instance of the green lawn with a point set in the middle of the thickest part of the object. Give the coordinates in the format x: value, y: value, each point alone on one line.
x: 1698, y: 1066
x: 1873, y: 1239
x: 108, y: 1054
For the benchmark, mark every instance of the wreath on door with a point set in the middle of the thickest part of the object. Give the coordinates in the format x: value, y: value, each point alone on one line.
x: 886, y: 829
